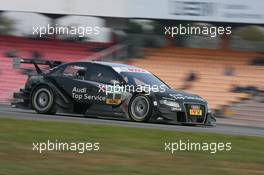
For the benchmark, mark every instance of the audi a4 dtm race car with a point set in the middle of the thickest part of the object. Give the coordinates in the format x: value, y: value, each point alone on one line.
x: 106, y: 89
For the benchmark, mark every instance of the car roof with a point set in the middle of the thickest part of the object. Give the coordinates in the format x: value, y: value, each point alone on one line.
x: 118, y: 67
x: 111, y: 64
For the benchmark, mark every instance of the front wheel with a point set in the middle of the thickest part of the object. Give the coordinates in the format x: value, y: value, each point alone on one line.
x: 43, y: 100
x: 140, y: 108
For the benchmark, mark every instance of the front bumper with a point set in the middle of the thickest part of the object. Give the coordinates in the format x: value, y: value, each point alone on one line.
x: 182, y: 115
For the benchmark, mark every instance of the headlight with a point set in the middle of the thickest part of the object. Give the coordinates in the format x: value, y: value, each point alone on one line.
x: 208, y: 109
x: 170, y: 103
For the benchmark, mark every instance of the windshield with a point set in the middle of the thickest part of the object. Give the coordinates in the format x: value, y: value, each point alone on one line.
x: 142, y: 79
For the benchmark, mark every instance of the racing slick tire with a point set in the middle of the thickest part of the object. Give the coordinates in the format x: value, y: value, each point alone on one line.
x: 140, y: 108
x: 43, y: 100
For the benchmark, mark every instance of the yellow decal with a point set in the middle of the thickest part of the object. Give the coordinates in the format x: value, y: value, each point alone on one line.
x: 113, y: 101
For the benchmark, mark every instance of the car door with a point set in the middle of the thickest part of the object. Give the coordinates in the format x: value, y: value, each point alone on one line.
x: 72, y: 80
x: 106, y: 80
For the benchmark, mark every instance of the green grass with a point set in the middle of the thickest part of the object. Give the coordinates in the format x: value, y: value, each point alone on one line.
x: 122, y: 151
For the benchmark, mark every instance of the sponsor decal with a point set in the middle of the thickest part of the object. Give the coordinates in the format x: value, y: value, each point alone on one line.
x: 81, y: 94
x: 130, y: 69
x: 185, y: 97
x: 113, y: 101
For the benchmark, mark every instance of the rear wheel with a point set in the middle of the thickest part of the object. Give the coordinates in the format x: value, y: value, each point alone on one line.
x: 43, y: 100
x: 140, y: 108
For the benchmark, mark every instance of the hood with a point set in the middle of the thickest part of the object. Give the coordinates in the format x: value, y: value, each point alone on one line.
x: 177, y: 95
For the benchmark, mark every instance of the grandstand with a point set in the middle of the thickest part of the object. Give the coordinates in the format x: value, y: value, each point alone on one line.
x: 50, y: 48
x: 173, y: 64
x: 250, y: 107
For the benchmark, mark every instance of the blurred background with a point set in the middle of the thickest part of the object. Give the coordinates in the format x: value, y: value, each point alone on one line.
x: 227, y: 70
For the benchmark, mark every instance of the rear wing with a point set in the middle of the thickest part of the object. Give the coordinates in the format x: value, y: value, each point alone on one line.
x: 51, y: 64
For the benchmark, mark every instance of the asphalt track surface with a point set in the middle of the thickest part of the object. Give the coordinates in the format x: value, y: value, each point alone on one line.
x: 9, y: 112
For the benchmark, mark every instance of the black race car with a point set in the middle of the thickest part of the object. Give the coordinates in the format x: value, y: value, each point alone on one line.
x: 107, y: 89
